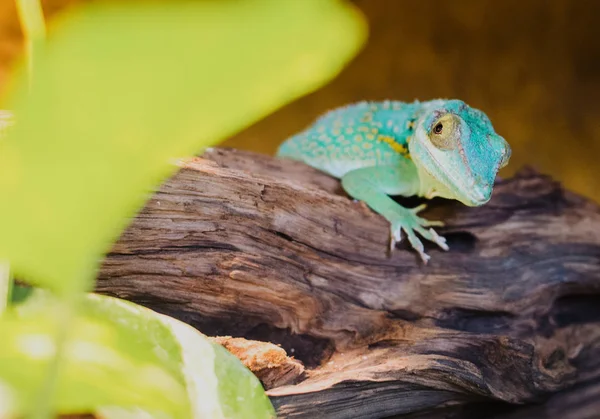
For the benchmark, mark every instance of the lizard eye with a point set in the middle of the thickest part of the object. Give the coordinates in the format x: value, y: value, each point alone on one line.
x: 446, y: 132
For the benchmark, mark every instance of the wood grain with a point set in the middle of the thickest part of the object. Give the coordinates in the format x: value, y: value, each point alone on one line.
x: 244, y: 245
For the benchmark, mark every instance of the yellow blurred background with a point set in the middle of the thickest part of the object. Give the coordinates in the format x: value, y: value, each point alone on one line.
x: 532, y: 65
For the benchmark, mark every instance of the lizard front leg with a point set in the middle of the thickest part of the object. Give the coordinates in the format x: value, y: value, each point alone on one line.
x: 373, y: 185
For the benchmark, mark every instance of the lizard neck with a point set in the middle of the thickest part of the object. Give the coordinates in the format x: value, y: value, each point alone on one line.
x: 429, y: 185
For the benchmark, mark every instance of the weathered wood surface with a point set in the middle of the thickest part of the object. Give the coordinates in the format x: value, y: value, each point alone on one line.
x: 269, y: 362
x: 244, y: 245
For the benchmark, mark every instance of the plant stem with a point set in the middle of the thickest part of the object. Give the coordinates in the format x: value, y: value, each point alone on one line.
x: 66, y: 315
x: 33, y: 25
x: 31, y: 18
x: 34, y: 32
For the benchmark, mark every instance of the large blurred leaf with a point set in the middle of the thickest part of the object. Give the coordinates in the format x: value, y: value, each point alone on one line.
x: 122, y: 358
x: 122, y: 88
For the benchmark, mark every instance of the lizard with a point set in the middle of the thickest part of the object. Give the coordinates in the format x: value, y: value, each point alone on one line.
x: 437, y: 148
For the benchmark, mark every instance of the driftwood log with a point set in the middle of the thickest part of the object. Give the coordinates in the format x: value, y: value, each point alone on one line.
x: 245, y: 245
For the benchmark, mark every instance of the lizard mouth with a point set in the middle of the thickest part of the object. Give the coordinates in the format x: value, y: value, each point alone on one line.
x: 477, y: 198
x: 447, y: 184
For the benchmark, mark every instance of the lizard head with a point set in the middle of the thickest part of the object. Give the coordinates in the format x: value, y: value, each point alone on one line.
x: 457, y: 152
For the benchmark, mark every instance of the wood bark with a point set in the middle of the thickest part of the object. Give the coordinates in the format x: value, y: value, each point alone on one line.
x: 245, y: 245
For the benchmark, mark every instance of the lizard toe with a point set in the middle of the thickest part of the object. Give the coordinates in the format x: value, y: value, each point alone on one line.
x: 431, y: 235
x: 417, y: 245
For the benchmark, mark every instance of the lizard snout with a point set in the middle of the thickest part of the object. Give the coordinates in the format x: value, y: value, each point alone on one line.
x: 478, y: 194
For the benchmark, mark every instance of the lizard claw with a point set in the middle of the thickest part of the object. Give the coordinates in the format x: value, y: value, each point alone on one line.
x: 410, y: 224
x: 424, y: 257
x: 395, y: 236
x: 439, y: 240
x: 418, y: 246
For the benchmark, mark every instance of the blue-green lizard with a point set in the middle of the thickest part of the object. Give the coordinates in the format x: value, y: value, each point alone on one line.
x: 439, y: 148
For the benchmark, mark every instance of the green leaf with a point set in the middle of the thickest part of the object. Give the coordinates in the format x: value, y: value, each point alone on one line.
x: 121, y: 89
x: 122, y: 359
x: 230, y: 391
x: 241, y: 394
x: 130, y: 362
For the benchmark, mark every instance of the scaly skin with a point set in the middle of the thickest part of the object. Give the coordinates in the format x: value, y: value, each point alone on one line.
x: 437, y: 148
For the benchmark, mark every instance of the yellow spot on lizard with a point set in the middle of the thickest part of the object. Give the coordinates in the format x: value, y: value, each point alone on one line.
x: 397, y: 147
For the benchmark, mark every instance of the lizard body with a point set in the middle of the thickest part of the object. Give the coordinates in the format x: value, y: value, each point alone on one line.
x: 436, y: 148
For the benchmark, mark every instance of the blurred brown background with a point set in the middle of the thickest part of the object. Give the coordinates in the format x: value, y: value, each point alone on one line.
x: 532, y: 65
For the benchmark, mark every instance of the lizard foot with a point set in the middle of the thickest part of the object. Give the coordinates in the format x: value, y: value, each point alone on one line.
x: 408, y: 221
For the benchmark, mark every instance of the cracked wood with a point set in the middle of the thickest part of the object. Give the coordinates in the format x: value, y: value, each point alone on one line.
x: 244, y: 245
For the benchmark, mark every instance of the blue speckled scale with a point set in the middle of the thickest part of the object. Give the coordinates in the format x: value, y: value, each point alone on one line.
x: 355, y: 136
